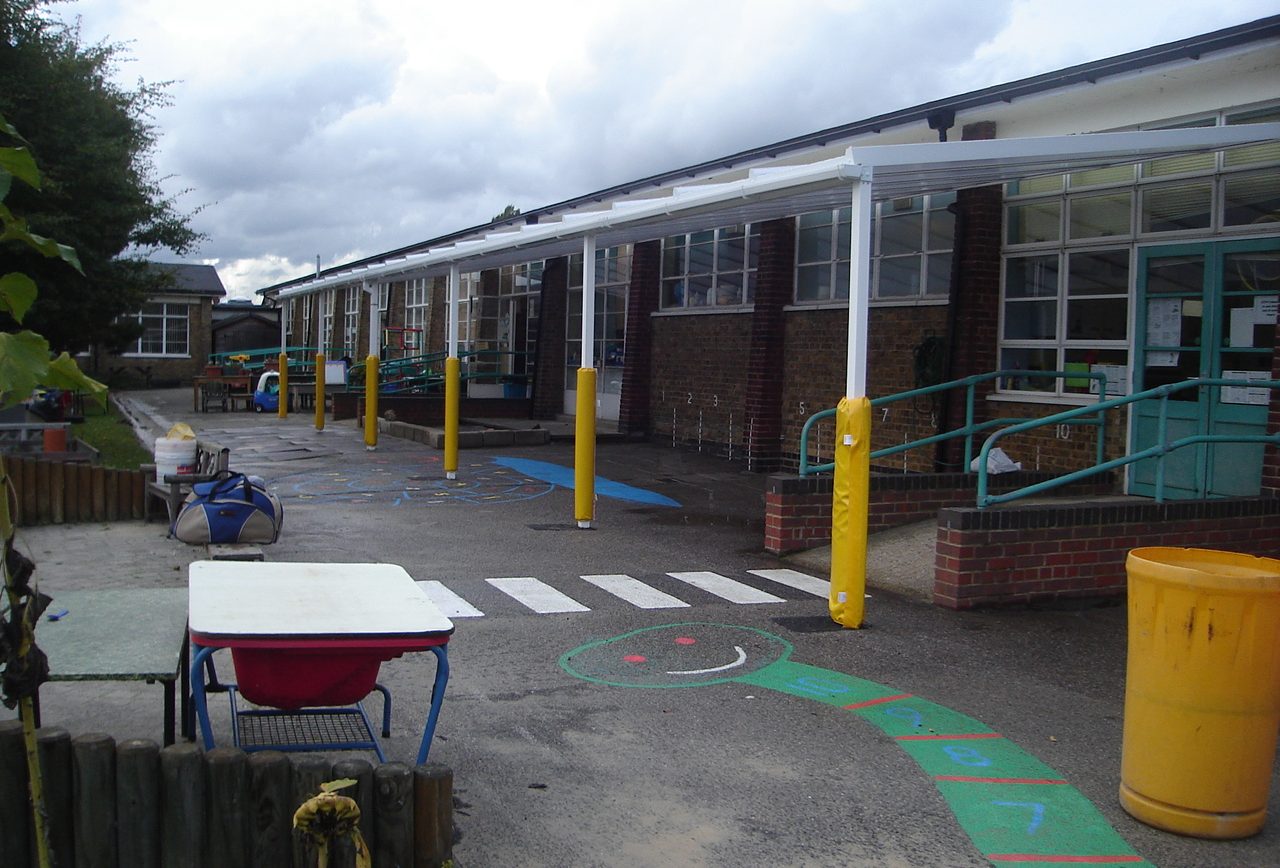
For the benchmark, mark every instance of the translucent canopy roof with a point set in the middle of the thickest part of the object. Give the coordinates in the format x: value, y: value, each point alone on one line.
x: 769, y: 193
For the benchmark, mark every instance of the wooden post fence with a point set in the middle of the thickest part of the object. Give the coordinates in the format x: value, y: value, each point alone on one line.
x: 65, y: 492
x: 133, y: 804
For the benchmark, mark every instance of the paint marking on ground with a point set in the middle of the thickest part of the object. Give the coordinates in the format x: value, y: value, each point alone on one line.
x: 449, y: 603
x: 948, y: 737
x: 969, y: 779
x: 882, y: 699
x: 1054, y: 859
x: 797, y: 580
x: 635, y: 592
x: 725, y: 588
x: 537, y: 595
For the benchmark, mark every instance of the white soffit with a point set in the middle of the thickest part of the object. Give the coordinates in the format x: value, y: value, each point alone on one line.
x: 773, y: 192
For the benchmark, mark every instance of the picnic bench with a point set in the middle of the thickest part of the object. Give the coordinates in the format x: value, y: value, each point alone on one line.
x: 211, y: 459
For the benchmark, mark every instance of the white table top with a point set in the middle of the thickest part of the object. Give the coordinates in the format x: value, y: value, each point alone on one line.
x: 253, y: 598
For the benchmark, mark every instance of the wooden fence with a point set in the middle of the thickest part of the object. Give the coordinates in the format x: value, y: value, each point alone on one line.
x: 58, y: 492
x: 134, y: 805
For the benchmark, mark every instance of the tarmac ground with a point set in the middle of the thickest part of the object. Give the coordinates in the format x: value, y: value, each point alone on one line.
x: 557, y: 762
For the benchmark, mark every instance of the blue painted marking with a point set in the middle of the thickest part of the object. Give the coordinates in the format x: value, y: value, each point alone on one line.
x: 1037, y: 813
x: 563, y: 476
x: 966, y: 756
x: 817, y: 686
x: 910, y: 714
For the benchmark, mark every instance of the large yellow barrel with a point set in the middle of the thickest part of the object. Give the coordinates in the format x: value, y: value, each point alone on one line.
x: 1202, y: 698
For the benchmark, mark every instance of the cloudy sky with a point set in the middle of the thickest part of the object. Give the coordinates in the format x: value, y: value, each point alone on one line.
x: 307, y: 128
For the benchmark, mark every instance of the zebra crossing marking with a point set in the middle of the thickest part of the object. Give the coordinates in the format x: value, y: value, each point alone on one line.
x: 725, y: 588
x: 537, y: 595
x: 797, y: 580
x: 635, y: 592
x: 449, y: 603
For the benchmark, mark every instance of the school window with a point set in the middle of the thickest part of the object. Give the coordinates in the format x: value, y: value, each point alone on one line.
x: 715, y: 268
x: 417, y: 300
x: 911, y: 244
x: 1069, y: 241
x: 613, y: 276
x: 308, y: 304
x: 327, y: 299
x: 165, y: 329
x: 351, y: 319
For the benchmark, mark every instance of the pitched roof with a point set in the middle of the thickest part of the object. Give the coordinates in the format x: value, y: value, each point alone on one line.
x: 193, y: 279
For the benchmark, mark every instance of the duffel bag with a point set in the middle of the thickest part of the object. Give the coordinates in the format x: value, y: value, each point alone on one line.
x: 231, y: 509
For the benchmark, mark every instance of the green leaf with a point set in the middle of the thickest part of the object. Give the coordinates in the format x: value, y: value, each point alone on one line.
x: 340, y: 784
x: 15, y: 229
x: 6, y: 181
x: 64, y: 373
x: 19, y: 163
x: 9, y: 128
x: 24, y: 363
x: 17, y: 292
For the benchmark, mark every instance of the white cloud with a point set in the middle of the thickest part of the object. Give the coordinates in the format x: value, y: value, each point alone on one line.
x: 344, y: 129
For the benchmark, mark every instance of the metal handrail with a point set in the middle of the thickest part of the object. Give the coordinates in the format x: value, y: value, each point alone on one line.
x: 1157, y: 451
x: 392, y: 380
x: 970, y: 427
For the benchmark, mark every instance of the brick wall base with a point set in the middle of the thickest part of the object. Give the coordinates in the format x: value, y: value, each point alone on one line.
x: 1048, y: 552
x: 798, y: 509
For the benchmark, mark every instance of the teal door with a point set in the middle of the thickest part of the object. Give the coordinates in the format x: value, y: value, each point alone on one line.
x: 1205, y: 310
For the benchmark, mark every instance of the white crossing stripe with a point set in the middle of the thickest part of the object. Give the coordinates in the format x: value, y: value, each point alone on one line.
x: 537, y: 595
x: 797, y: 580
x: 725, y: 588
x: 635, y: 592
x: 449, y: 603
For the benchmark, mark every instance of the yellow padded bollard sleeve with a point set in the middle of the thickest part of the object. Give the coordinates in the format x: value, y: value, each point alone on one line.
x: 452, y: 369
x: 849, y: 506
x: 584, y: 448
x: 283, y: 410
x: 319, y: 391
x: 370, y: 402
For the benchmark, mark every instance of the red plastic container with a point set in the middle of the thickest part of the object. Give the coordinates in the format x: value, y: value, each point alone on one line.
x: 307, y: 677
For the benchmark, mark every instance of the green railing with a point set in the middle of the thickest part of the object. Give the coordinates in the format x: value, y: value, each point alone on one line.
x: 970, y: 428
x: 425, y: 373
x: 1158, y: 451
x: 301, y: 359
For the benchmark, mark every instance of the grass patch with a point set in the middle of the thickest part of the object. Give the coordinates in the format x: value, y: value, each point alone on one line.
x: 111, y: 434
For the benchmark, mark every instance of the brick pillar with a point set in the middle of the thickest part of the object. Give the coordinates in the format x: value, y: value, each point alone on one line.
x: 775, y: 282
x: 976, y: 297
x: 436, y: 339
x: 1271, y: 457
x: 642, y: 301
x: 362, y: 323
x: 548, y: 364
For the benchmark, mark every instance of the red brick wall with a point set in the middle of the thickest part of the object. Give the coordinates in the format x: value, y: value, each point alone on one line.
x: 814, y: 378
x: 798, y: 509
x: 437, y: 327
x: 1052, y: 552
x: 642, y: 301
x: 698, y: 391
x: 775, y: 282
x: 548, y: 371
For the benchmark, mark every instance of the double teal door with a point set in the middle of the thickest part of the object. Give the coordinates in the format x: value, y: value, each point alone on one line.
x: 1205, y: 310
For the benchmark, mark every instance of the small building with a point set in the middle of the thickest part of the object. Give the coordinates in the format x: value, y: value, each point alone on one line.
x: 239, y: 324
x: 177, y: 332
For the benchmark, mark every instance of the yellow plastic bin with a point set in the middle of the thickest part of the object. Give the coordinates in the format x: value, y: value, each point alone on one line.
x: 1202, y: 698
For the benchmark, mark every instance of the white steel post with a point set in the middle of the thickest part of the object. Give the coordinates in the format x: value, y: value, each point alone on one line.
x: 452, y: 379
x: 584, y: 435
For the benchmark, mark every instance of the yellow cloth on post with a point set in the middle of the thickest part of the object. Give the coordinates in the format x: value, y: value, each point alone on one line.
x: 329, y: 817
x: 849, y: 506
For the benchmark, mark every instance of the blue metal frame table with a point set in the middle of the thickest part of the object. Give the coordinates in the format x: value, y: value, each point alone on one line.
x: 307, y: 640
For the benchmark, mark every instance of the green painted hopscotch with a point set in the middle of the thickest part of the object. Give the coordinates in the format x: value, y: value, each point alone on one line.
x: 1015, y: 809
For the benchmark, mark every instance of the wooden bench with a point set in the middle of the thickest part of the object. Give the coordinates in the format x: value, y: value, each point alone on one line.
x: 211, y: 459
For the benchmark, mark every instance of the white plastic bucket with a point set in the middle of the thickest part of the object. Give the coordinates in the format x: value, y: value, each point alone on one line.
x: 174, y: 456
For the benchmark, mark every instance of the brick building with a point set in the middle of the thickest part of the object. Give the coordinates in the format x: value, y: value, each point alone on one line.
x: 1150, y: 272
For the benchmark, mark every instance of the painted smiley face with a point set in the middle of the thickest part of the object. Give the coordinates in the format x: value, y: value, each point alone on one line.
x: 676, y: 655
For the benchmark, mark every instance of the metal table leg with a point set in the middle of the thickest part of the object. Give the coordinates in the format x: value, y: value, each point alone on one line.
x: 437, y: 699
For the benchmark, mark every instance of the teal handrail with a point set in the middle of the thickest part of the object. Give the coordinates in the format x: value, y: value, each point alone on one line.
x: 970, y: 427
x: 1158, y: 451
x: 416, y: 374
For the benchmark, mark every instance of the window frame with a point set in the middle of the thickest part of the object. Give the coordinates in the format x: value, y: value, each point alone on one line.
x: 668, y: 280
x: 165, y: 316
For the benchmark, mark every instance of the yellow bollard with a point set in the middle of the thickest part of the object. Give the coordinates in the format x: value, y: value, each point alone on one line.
x: 849, y: 504
x: 283, y: 411
x: 1202, y: 696
x: 452, y: 367
x: 371, y: 402
x: 319, y: 391
x: 584, y: 450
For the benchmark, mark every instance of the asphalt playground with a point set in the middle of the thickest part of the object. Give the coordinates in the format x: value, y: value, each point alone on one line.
x: 658, y: 690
